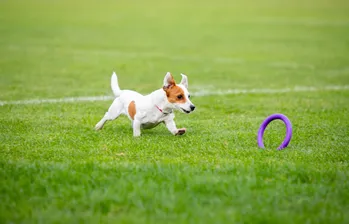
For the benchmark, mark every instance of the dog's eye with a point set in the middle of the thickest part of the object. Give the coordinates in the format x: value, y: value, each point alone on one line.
x: 179, y: 97
x: 188, y: 96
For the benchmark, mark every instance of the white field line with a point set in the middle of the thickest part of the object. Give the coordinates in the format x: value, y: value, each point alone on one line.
x: 197, y: 93
x: 59, y: 100
x: 269, y: 91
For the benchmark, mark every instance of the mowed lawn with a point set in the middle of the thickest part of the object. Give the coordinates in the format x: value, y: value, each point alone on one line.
x: 245, y: 60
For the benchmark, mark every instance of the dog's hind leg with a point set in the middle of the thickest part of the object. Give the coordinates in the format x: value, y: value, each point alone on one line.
x: 114, y: 112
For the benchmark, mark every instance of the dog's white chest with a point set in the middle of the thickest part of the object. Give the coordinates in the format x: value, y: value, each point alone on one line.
x: 151, y: 120
x: 148, y: 122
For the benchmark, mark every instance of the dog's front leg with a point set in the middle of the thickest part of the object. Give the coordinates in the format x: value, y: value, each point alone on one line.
x: 136, y: 128
x: 171, y: 126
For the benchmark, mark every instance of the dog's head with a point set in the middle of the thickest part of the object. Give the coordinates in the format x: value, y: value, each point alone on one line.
x: 177, y: 94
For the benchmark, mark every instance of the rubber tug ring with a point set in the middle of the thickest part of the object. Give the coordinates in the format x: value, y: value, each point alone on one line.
x: 266, y: 122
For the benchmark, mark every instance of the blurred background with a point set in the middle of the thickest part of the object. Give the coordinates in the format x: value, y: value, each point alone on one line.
x: 70, y: 48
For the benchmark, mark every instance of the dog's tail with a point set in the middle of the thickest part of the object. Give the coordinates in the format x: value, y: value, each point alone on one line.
x: 115, y: 85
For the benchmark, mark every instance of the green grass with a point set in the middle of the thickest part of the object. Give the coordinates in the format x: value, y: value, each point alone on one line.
x: 54, y: 168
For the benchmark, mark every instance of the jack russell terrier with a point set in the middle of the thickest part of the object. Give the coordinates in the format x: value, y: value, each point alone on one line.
x: 150, y: 110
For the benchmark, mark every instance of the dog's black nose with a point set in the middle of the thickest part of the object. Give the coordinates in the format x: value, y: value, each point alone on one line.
x: 192, y: 107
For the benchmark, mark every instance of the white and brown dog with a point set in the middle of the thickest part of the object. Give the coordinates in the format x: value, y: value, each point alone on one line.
x: 150, y: 110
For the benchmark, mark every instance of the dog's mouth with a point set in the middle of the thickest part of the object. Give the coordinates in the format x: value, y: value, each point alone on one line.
x: 185, y: 111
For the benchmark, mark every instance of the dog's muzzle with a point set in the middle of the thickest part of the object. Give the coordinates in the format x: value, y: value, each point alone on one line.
x: 192, y: 108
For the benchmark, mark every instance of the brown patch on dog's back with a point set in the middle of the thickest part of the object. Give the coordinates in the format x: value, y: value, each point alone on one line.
x: 132, y: 109
x: 175, y: 94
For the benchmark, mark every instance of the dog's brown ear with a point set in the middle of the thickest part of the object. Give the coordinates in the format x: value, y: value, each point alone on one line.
x: 168, y: 81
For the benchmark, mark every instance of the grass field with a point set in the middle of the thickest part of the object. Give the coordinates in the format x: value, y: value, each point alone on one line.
x: 54, y: 168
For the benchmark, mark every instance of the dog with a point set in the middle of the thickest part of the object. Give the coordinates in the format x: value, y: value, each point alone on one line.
x: 148, y: 111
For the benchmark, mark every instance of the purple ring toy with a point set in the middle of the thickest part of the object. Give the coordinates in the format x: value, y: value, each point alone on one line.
x: 265, y: 124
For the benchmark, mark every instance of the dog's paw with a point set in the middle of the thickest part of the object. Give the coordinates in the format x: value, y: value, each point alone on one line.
x: 136, y: 134
x: 98, y: 127
x: 181, y: 131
